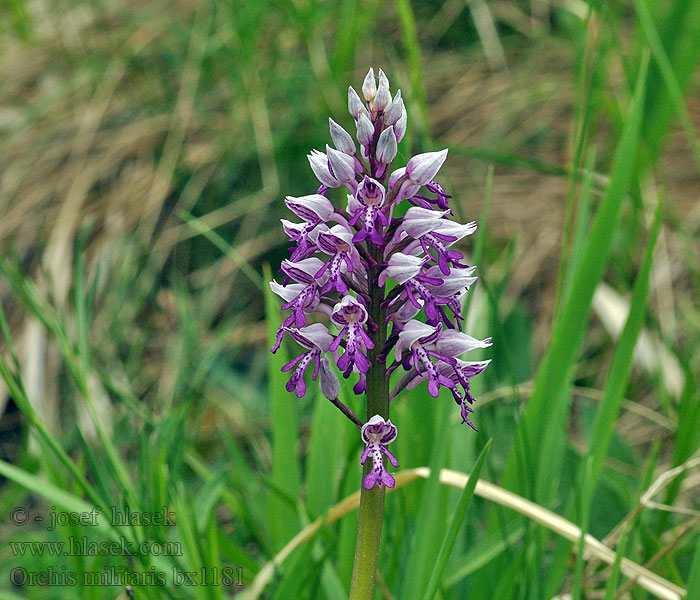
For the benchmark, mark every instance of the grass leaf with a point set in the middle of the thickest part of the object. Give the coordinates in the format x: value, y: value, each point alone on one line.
x: 285, y: 432
x: 544, y: 417
x: 455, y: 525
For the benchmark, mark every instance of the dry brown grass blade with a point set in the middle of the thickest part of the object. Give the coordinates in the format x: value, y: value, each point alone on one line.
x: 656, y: 585
x: 509, y: 392
x: 675, y: 539
x: 180, y: 119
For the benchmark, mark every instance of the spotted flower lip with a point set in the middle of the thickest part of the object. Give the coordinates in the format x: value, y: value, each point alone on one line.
x: 370, y: 197
x: 350, y: 316
x: 337, y: 241
x: 377, y: 434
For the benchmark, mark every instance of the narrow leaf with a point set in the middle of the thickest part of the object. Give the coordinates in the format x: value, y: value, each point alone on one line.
x: 285, y: 432
x: 457, y: 519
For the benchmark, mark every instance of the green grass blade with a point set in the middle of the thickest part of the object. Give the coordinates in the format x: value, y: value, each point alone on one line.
x: 208, y: 233
x: 609, y: 408
x: 694, y: 580
x: 583, y: 218
x: 45, y: 313
x: 586, y: 495
x: 323, y: 461
x: 16, y: 389
x: 581, y: 122
x: 429, y: 517
x: 666, y: 68
x: 453, y: 530
x: 544, y: 417
x: 611, y: 585
x: 686, y: 439
x: 284, y: 522
x: 57, y: 496
x: 678, y: 25
x: 484, y: 552
x: 619, y: 372
x: 357, y: 18
x: 191, y: 541
x: 206, y: 501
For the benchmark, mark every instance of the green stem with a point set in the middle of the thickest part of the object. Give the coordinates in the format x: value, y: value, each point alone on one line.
x: 369, y: 527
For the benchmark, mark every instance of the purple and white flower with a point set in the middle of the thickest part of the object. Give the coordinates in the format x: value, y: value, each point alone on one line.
x: 318, y: 340
x: 337, y: 241
x: 377, y: 434
x: 350, y: 317
x: 384, y: 282
x: 368, y: 208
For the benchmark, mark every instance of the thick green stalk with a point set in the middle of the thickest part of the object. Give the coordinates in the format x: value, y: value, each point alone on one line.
x: 369, y: 527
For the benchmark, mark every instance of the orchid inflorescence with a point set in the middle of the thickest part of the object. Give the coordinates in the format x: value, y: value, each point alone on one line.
x: 367, y: 268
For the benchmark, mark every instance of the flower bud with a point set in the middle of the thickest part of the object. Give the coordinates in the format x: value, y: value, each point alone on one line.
x: 407, y: 189
x: 386, y: 146
x: 319, y: 165
x: 328, y: 380
x: 393, y: 113
x: 400, y: 125
x: 355, y: 106
x: 423, y: 167
x: 369, y: 86
x: 401, y: 267
x: 382, y: 99
x: 341, y: 138
x: 312, y: 208
x: 418, y: 221
x: 342, y: 165
x: 365, y: 130
x: 453, y: 343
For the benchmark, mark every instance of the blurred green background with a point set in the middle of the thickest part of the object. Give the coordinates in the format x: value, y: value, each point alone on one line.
x: 146, y: 150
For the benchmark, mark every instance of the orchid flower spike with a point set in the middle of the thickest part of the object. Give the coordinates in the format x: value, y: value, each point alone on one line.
x: 376, y: 277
